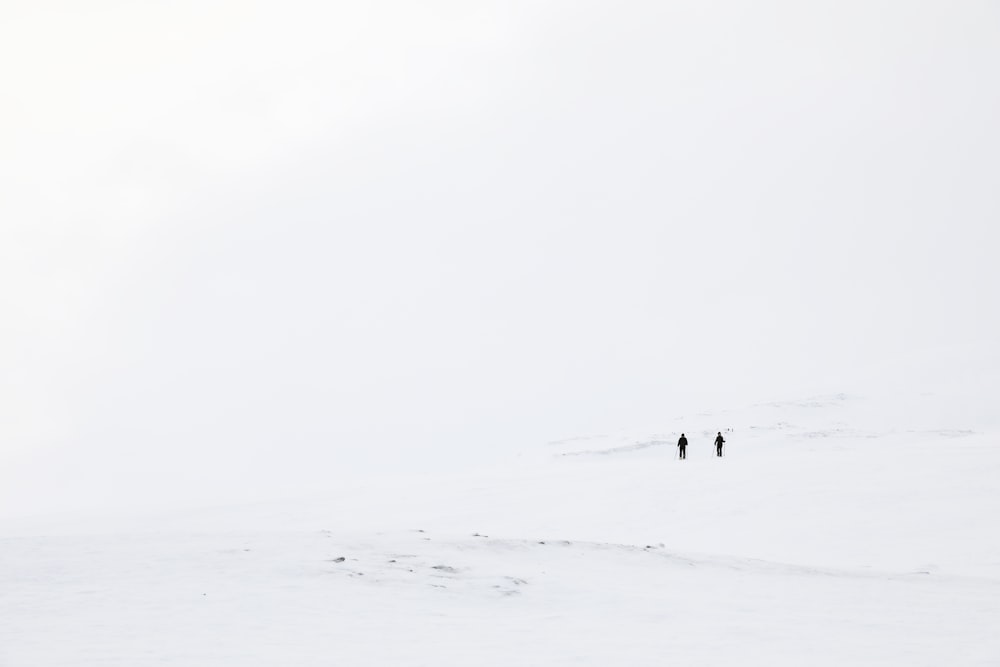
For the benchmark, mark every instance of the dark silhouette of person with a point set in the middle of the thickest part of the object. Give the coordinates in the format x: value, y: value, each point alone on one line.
x: 682, y: 445
x: 719, y: 441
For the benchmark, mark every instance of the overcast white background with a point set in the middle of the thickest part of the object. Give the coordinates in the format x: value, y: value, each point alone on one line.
x: 248, y: 248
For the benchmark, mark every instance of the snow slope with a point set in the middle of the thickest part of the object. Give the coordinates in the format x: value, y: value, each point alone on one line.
x: 837, y: 530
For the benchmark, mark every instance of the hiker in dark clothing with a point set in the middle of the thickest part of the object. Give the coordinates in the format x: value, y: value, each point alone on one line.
x: 719, y: 441
x: 682, y: 445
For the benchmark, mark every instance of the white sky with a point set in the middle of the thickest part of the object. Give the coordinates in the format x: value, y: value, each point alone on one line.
x: 246, y: 246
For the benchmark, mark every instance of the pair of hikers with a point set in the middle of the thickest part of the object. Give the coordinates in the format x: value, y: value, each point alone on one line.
x: 683, y: 443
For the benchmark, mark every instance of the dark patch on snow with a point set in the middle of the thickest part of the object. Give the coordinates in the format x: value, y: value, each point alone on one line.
x: 834, y: 400
x: 948, y: 432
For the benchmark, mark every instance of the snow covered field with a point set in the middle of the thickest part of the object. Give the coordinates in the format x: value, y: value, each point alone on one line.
x: 352, y: 334
x: 837, y: 530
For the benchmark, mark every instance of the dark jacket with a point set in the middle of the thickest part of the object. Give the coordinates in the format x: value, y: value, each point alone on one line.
x: 719, y: 440
x: 683, y: 442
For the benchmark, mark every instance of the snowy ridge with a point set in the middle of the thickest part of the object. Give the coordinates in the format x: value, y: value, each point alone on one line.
x: 795, y: 548
x: 619, y: 450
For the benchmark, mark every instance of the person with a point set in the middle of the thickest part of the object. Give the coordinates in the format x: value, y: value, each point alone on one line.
x: 682, y: 446
x: 719, y: 441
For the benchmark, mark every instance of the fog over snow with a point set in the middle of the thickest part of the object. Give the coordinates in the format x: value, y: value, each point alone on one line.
x: 243, y: 243
x: 286, y: 259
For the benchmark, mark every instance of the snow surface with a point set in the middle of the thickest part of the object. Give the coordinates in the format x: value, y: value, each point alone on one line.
x: 837, y: 530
